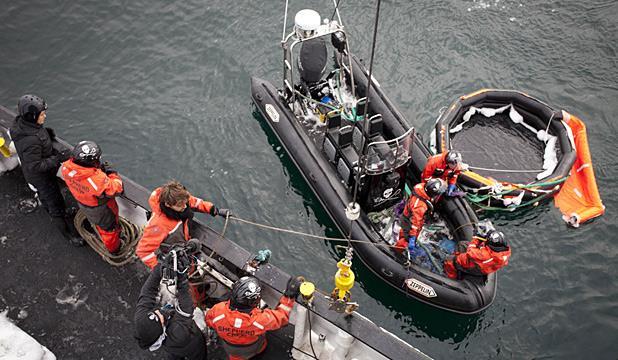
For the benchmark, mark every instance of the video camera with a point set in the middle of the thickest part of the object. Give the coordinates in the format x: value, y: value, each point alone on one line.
x: 177, y: 260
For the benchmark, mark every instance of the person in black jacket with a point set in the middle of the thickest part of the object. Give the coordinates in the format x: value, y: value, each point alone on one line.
x: 40, y: 161
x: 170, y: 328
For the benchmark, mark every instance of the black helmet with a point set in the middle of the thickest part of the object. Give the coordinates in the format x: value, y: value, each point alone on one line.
x: 245, y: 294
x: 435, y: 187
x: 496, y: 238
x: 87, y: 153
x: 453, y: 158
x: 29, y: 107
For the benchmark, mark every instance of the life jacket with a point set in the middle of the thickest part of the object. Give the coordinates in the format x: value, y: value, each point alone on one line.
x: 164, y: 230
x: 481, y: 259
x: 244, y: 335
x: 413, y: 216
x: 95, y: 192
x: 436, y: 167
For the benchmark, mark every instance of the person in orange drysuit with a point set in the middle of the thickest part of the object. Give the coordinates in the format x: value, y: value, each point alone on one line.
x: 242, y: 325
x: 95, y: 187
x: 423, y: 197
x: 483, y: 256
x: 445, y: 166
x: 172, y: 207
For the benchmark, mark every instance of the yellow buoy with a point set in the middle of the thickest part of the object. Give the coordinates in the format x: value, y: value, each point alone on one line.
x: 344, y: 279
x: 4, y: 149
x: 306, y: 290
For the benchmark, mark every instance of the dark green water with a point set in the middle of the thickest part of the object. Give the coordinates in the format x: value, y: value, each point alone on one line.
x: 164, y: 88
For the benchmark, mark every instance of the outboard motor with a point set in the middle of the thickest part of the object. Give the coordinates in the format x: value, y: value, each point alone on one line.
x: 312, y: 61
x: 313, y: 55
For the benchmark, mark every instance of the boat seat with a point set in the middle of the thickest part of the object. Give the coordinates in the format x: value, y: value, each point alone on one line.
x: 376, y: 125
x: 335, y: 139
x: 374, y: 129
x: 360, y: 106
x: 312, y: 61
x: 333, y: 120
x: 347, y: 164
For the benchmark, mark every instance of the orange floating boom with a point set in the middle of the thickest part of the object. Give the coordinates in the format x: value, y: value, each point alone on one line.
x: 579, y: 199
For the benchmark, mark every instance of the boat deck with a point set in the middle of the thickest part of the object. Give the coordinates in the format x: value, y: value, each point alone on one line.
x: 68, y: 298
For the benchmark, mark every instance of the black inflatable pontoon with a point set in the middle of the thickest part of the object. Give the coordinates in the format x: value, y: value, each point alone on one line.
x: 488, y: 185
x: 318, y: 120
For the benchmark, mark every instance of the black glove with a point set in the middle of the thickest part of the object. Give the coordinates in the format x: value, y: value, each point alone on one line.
x: 108, y: 168
x: 292, y: 290
x: 64, y: 155
x: 110, y: 171
x: 224, y: 212
x: 193, y: 246
x: 51, y: 133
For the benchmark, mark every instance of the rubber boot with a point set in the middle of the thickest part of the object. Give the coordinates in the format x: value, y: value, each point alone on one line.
x: 61, y: 224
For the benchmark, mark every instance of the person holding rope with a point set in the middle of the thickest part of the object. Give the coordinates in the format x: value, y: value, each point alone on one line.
x: 242, y: 325
x: 446, y: 166
x: 424, y: 197
x: 95, y: 188
x: 172, y: 209
x: 484, y: 255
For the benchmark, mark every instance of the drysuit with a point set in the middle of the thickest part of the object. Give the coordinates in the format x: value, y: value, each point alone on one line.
x: 244, y: 334
x: 95, y: 191
x: 480, y: 258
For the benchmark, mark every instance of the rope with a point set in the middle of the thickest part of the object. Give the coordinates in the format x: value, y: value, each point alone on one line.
x: 529, y: 187
x: 512, y: 208
x: 299, y: 233
x: 547, y: 129
x: 505, y: 170
x: 130, y: 233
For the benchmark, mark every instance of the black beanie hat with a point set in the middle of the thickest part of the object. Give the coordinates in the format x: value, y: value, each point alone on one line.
x: 147, y: 329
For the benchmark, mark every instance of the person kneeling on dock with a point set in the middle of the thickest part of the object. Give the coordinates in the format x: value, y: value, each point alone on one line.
x: 172, y: 209
x: 446, y: 166
x: 95, y: 188
x: 424, y: 196
x: 242, y: 325
x: 483, y: 256
x: 168, y: 327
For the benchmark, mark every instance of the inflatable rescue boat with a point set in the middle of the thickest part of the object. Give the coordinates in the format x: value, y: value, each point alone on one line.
x: 350, y: 156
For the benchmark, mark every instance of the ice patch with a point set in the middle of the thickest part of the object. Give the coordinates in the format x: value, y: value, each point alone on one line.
x: 22, y: 314
x: 17, y: 344
x: 124, y: 303
x: 71, y: 295
x: 3, y: 240
x: 27, y: 206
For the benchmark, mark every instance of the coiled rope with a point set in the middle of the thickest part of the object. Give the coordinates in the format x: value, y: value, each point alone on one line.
x: 129, y: 235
